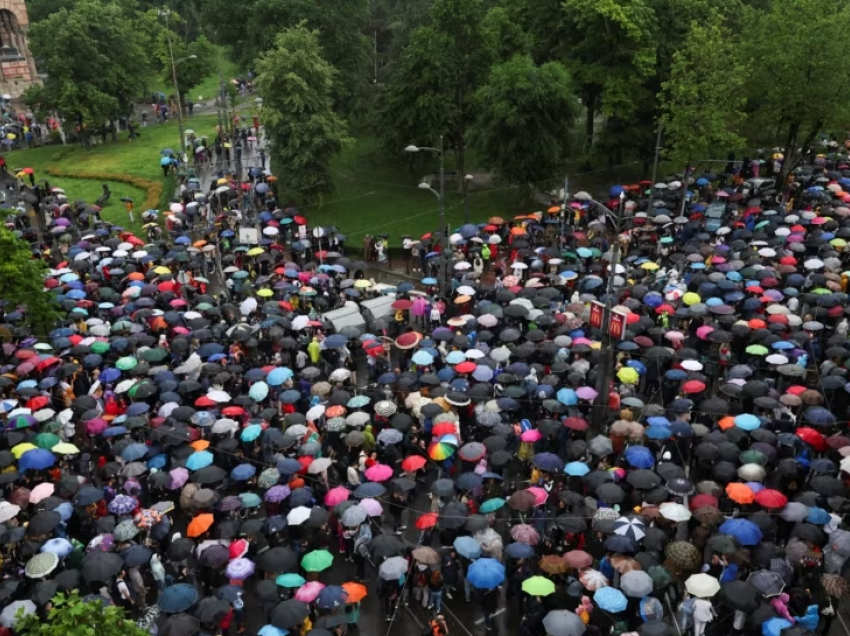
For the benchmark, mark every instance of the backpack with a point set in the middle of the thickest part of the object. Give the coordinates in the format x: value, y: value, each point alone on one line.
x: 421, y: 579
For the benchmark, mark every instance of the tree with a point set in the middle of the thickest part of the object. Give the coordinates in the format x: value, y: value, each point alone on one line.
x: 523, y: 128
x: 703, y: 101
x: 296, y: 84
x: 430, y: 91
x: 22, y: 283
x: 98, y: 78
x: 71, y: 616
x: 190, y: 70
x: 799, y: 81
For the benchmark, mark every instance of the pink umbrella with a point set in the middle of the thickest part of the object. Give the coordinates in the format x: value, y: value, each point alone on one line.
x: 96, y: 426
x: 540, y: 495
x: 531, y: 435
x: 309, y: 592
x: 179, y: 477
x: 524, y: 533
x: 586, y: 392
x: 704, y: 332
x: 336, y: 496
x: 372, y: 507
x: 584, y: 341
x: 379, y: 472
x: 42, y: 491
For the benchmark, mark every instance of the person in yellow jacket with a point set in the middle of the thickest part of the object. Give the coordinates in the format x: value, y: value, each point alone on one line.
x: 314, y: 350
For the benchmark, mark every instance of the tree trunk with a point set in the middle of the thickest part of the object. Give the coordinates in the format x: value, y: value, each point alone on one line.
x: 790, y: 151
x: 590, y: 106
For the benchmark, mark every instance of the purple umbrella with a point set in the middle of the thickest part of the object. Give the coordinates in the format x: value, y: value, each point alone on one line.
x: 277, y: 493
x: 239, y: 569
x: 586, y: 393
x: 122, y: 505
x: 179, y: 477
x: 62, y: 221
x: 372, y: 507
x: 101, y: 543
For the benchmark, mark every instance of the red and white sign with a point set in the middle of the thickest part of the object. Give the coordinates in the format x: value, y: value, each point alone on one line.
x: 597, y: 314
x: 617, y: 324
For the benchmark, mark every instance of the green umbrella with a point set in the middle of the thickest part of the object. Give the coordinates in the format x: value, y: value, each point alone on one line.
x: 41, y: 565
x: 51, y: 427
x: 46, y: 440
x: 821, y: 291
x: 290, y: 580
x: 128, y: 362
x: 538, y: 586
x: 756, y: 350
x: 660, y: 576
x: 156, y: 354
x: 203, y: 306
x: 100, y: 347
x: 753, y: 457
x: 317, y: 560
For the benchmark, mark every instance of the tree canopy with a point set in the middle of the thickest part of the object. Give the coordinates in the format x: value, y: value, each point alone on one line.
x: 71, y: 616
x: 296, y: 84
x: 22, y: 283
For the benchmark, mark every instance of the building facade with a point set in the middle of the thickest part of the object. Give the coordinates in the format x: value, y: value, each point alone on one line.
x: 17, y: 67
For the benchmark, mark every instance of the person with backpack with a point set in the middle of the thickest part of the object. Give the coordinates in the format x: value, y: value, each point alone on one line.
x: 437, y: 626
x: 421, y: 578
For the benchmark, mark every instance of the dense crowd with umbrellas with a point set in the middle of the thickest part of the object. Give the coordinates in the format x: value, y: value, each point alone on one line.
x: 183, y: 453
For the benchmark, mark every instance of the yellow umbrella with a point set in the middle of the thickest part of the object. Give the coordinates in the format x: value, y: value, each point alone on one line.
x: 64, y: 448
x: 162, y: 269
x: 628, y: 375
x: 362, y: 283
x: 221, y: 182
x: 691, y: 299
x: 649, y: 266
x: 595, y: 345
x: 838, y: 242
x: 265, y: 292
x: 11, y: 136
x: 20, y: 449
x: 255, y: 251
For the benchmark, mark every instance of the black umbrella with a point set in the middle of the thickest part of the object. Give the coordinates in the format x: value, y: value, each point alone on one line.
x: 181, y: 625
x: 289, y: 614
x: 180, y: 549
x: 43, y: 523
x: 277, y: 560
x: 101, y: 566
x: 384, y: 546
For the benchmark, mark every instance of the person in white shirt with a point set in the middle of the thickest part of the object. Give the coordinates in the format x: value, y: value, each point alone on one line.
x: 353, y: 474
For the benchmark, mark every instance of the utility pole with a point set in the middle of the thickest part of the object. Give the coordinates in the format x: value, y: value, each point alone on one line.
x: 655, y: 161
x: 467, y: 180
x: 182, y: 145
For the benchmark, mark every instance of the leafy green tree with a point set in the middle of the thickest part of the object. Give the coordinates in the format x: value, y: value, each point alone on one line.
x: 430, y: 91
x: 22, y: 283
x: 799, y: 81
x: 523, y: 128
x: 38, y: 10
x: 296, y: 84
x: 195, y: 60
x: 71, y: 616
x: 703, y: 101
x: 98, y: 78
x: 507, y: 35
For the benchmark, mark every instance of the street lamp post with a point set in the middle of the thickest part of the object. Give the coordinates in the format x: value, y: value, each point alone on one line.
x: 182, y: 146
x: 442, y: 199
x: 606, y: 362
x: 467, y: 181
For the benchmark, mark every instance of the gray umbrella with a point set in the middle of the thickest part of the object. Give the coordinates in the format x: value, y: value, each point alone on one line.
x: 563, y: 623
x: 443, y: 487
x: 354, y: 516
x: 636, y: 584
x: 599, y: 446
x: 394, y: 568
x: 767, y: 583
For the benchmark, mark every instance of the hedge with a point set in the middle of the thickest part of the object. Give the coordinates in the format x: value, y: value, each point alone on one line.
x: 152, y: 189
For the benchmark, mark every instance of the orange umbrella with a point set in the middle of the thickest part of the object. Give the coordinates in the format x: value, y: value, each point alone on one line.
x: 199, y: 244
x: 200, y: 525
x: 516, y: 231
x: 740, y: 493
x: 495, y: 220
x: 200, y: 445
x: 355, y: 591
x: 136, y: 276
x: 726, y: 422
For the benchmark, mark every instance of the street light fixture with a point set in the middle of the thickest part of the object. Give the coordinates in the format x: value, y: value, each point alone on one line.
x: 442, y: 199
x: 174, y: 64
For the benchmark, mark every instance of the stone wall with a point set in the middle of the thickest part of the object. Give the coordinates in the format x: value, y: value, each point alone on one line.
x: 17, y: 72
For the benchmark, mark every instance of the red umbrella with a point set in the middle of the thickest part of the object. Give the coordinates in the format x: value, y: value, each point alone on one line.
x: 665, y: 307
x: 47, y: 362
x: 465, y: 367
x: 428, y: 520
x: 576, y: 424
x: 578, y: 559
x: 769, y: 498
x: 701, y: 501
x: 812, y: 437
x: 38, y: 403
x: 231, y: 411
x: 444, y: 428
x: 205, y: 402
x: 693, y: 386
x: 408, y: 340
x: 402, y: 303
x: 414, y: 462
x: 25, y: 354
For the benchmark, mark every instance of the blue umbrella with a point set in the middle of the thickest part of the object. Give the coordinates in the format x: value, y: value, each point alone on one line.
x: 658, y: 432
x: 486, y: 574
x: 200, y: 459
x: 640, y: 457
x: 577, y: 469
x: 423, y: 358
x: 290, y: 397
x: 288, y: 466
x: 158, y: 461
x: 59, y: 547
x: 134, y: 452
x: 243, y: 472
x: 36, y: 459
x: 774, y: 626
x: 110, y: 375
x: 567, y: 397
x: 819, y: 416
x: 251, y: 432
x: 818, y: 516
x: 335, y: 341
x: 331, y: 596
x: 369, y: 489
x: 271, y: 630
x: 520, y: 551
x: 610, y: 599
x: 177, y: 598
x: 468, y: 481
x: 467, y: 547
x: 746, y: 532
x: 259, y: 391
x: 747, y: 422
x: 548, y: 462
x: 278, y: 376
x: 658, y: 420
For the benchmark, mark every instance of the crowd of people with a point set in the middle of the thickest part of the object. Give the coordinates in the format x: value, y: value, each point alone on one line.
x: 195, y: 437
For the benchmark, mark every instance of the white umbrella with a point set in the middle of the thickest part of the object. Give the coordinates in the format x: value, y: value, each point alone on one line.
x: 691, y: 365
x: 299, y: 322
x: 776, y: 358
x: 315, y: 413
x: 298, y: 515
x: 248, y: 305
x: 751, y: 472
x: 674, y: 511
x: 124, y: 386
x: 630, y: 527
x: 636, y: 584
x: 320, y: 465
x: 224, y: 426
x: 702, y: 585
x: 219, y: 396
x: 466, y: 290
x: 10, y: 613
x: 8, y: 511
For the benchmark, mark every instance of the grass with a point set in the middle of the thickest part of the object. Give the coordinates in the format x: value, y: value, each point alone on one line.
x: 137, y: 161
